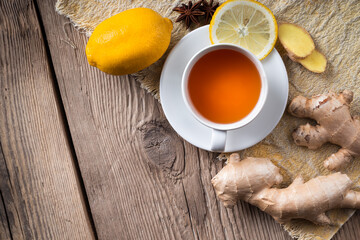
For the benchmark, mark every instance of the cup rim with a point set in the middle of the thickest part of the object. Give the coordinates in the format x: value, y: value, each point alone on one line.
x: 262, y: 97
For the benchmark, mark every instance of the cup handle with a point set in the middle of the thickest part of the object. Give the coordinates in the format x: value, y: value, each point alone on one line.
x: 218, y: 140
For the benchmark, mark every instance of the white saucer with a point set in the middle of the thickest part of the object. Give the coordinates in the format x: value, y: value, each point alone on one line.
x: 200, y: 135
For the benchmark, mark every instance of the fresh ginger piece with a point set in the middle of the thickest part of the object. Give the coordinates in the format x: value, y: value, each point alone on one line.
x: 315, y: 62
x: 296, y: 40
x: 301, y: 48
x: 252, y: 179
x: 335, y: 125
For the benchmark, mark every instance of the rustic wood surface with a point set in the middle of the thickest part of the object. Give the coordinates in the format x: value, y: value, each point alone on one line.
x: 5, y: 232
x: 142, y: 181
x: 39, y: 187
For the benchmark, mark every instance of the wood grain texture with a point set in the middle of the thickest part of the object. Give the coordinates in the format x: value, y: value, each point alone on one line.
x: 5, y: 232
x: 351, y: 229
x: 40, y: 193
x: 5, y: 216
x: 142, y: 180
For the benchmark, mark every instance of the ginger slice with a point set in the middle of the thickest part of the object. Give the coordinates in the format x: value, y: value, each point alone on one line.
x: 252, y: 180
x: 315, y: 62
x: 296, y: 40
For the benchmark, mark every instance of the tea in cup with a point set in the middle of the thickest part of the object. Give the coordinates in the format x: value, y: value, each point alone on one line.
x: 225, y: 87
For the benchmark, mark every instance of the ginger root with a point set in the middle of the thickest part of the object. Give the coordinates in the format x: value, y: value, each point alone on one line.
x: 296, y: 40
x: 335, y: 125
x: 251, y: 180
x: 301, y: 48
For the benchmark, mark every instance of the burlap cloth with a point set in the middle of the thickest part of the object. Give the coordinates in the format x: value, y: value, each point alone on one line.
x: 335, y: 28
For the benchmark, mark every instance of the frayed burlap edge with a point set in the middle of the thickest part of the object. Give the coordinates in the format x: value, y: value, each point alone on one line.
x: 297, y: 231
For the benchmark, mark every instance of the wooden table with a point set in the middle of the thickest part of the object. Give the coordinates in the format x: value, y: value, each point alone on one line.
x: 88, y: 155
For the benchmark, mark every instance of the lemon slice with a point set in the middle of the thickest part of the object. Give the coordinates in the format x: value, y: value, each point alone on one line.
x: 246, y: 23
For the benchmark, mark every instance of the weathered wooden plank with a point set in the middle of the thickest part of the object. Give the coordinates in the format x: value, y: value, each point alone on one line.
x: 351, y: 229
x: 142, y: 180
x: 5, y: 217
x: 4, y: 226
x: 40, y: 192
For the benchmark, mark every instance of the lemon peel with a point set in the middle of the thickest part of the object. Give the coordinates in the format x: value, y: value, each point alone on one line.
x: 246, y: 23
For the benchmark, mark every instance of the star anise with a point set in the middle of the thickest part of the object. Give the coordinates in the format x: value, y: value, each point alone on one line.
x: 189, y: 13
x: 208, y: 9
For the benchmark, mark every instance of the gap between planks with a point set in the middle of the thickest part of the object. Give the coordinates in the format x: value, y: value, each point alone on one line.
x: 65, y: 122
x: 5, y: 229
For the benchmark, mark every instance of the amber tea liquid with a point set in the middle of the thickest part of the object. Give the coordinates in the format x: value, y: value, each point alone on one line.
x: 224, y: 86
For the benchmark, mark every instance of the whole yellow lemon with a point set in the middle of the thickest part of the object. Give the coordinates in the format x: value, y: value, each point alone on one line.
x: 129, y: 41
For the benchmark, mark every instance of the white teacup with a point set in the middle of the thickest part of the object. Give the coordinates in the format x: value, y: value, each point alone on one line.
x: 219, y: 131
